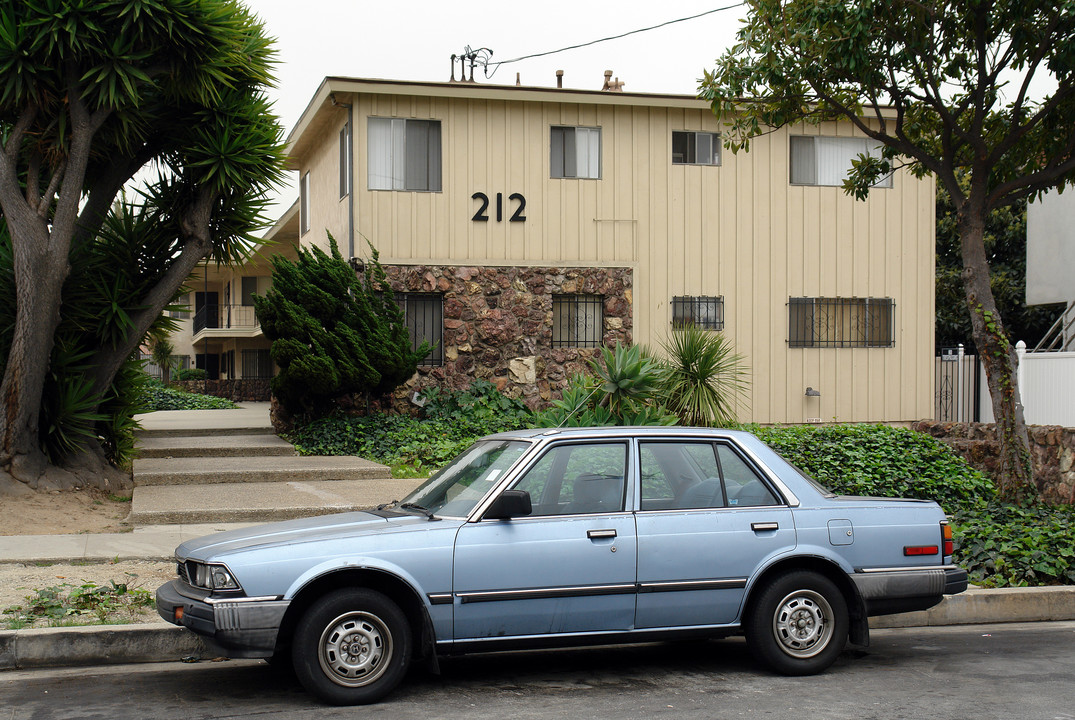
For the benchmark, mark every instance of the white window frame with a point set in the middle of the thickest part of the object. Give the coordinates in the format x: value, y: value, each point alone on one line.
x: 304, y: 204
x: 823, y: 160
x: 700, y: 139
x: 394, y: 157
x: 345, y: 160
x: 575, y: 152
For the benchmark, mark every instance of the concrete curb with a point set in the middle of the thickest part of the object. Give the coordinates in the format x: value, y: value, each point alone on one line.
x: 97, y: 645
x: 160, y: 642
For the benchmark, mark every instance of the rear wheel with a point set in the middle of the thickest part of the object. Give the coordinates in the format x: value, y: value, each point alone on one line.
x: 352, y: 647
x: 798, y: 626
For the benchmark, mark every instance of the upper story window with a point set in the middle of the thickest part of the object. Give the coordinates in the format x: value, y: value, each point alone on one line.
x: 817, y: 160
x: 345, y: 160
x: 577, y: 320
x: 841, y: 322
x: 404, y: 154
x: 695, y: 148
x: 575, y: 152
x: 304, y: 204
x: 701, y: 312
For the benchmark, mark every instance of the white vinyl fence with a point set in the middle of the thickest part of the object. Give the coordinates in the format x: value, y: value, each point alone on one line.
x: 1046, y: 384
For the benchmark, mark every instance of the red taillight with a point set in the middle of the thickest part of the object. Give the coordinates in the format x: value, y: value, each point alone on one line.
x: 946, y: 535
x: 919, y: 549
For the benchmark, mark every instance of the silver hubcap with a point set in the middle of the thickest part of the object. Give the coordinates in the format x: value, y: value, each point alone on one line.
x: 803, y: 623
x: 355, y: 649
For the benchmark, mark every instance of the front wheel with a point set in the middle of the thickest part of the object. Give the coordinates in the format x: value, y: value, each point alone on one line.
x: 798, y: 626
x: 352, y: 647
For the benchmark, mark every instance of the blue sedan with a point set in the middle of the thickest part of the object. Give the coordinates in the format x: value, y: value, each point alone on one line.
x: 545, y: 538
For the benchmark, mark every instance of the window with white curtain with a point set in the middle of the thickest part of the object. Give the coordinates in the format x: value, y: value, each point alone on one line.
x: 345, y: 160
x: 403, y: 154
x: 575, y: 152
x: 819, y: 160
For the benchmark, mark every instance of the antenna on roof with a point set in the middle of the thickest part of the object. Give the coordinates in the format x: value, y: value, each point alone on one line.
x: 481, y: 56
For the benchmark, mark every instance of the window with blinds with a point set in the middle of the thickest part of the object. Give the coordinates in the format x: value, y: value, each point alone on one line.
x: 575, y: 152
x: 818, y: 160
x: 403, y: 154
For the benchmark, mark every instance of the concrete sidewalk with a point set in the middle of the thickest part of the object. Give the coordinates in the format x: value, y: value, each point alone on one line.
x: 248, y: 417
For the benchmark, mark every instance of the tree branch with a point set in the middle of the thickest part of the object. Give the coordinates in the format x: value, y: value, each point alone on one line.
x: 106, y: 186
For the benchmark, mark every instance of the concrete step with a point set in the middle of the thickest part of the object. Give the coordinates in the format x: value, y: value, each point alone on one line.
x: 260, y: 501
x: 178, y: 432
x: 214, y: 446
x: 203, y: 471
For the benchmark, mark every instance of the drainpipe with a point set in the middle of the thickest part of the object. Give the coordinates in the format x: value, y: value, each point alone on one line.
x: 351, y: 180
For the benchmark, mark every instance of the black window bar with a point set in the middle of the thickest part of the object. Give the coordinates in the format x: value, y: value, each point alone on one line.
x: 425, y: 322
x: 577, y: 320
x: 706, y: 312
x: 841, y: 322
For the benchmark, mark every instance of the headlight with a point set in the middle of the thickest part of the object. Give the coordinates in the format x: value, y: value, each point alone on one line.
x: 209, y: 577
x: 222, y: 579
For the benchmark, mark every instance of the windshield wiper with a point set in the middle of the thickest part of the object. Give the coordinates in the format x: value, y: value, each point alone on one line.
x: 413, y: 506
x: 384, y: 506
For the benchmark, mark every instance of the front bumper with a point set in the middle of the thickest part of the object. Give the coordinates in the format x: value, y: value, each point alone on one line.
x: 239, y: 627
x: 895, y: 590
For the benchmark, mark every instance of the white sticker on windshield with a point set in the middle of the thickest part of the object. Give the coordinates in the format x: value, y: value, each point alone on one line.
x: 493, y: 475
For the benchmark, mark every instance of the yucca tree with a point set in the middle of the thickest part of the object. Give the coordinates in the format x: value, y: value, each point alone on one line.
x: 704, y: 378
x: 92, y: 91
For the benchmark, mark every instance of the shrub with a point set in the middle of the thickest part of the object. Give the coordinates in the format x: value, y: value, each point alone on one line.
x: 157, y: 397
x: 623, y: 389
x: 190, y: 374
x: 1001, y: 544
x: 703, y: 377
x: 453, y: 421
x: 334, y: 333
x: 880, y: 460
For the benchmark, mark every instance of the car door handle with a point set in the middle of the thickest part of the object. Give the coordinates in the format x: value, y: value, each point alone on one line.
x: 599, y: 534
x: 760, y: 526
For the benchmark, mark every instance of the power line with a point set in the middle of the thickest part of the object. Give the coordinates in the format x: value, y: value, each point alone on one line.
x: 496, y: 66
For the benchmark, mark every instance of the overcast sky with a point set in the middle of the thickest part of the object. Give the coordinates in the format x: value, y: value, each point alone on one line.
x: 415, y: 40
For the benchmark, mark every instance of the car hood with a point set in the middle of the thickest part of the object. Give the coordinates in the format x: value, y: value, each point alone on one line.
x: 303, y: 530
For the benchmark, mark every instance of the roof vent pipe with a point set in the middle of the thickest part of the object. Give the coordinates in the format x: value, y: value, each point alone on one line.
x: 560, y: 79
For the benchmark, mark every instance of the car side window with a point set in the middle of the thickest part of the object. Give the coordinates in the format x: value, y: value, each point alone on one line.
x: 680, y: 475
x: 576, y: 479
x: 742, y: 484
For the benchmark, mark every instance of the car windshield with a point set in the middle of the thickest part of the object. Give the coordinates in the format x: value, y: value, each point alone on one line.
x: 456, y: 489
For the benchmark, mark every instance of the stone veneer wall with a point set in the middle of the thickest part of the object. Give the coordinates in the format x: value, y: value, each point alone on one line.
x: 498, y: 324
x: 1052, y: 450
x: 241, y: 390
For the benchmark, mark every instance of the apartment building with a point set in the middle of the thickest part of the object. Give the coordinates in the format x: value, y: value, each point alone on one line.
x: 523, y: 227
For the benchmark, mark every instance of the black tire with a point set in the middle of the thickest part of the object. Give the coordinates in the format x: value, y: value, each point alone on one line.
x: 798, y: 625
x: 351, y: 647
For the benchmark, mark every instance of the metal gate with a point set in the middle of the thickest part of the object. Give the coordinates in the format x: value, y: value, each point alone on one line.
x: 957, y: 381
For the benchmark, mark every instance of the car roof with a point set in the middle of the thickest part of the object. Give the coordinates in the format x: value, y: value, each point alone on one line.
x: 620, y: 431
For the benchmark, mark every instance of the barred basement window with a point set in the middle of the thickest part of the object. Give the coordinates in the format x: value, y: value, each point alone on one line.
x: 425, y: 322
x: 841, y: 322
x: 704, y: 312
x: 577, y: 320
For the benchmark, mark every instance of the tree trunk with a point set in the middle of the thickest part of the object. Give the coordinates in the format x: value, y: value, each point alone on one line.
x: 39, y: 276
x: 1014, y: 472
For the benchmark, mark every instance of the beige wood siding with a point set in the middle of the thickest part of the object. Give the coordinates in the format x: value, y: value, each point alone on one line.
x: 738, y: 230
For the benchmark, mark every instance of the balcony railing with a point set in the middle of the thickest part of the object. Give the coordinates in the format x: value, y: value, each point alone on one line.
x: 225, y: 316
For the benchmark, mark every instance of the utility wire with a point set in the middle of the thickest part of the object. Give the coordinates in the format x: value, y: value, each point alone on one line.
x: 496, y: 66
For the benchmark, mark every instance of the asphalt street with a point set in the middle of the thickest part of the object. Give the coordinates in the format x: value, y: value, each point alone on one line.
x: 980, y: 671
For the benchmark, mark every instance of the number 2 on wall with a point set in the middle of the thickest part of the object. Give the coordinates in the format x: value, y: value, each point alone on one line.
x: 482, y: 214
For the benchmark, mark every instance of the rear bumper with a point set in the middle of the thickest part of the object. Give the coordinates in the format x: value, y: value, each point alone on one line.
x: 895, y: 590
x: 236, y: 627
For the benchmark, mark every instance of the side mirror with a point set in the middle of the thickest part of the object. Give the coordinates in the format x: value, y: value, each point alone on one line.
x: 510, y: 503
